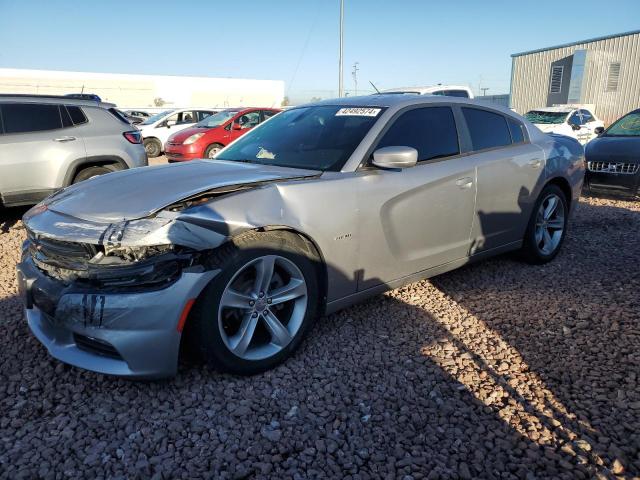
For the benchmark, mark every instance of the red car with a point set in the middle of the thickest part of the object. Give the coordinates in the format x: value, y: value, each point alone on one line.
x: 209, y: 136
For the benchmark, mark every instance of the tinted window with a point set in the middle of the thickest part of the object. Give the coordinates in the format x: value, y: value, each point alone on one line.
x: 586, y: 116
x: 517, y: 130
x: 487, y: 129
x: 28, y: 117
x: 119, y: 115
x: 77, y: 115
x: 457, y: 93
x: 627, y: 126
x: 66, y: 119
x: 575, y: 119
x: 431, y: 131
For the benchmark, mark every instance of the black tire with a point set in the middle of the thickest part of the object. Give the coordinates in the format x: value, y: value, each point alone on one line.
x: 203, y: 331
x: 210, y: 148
x: 153, y: 147
x: 90, y: 172
x: 531, y: 251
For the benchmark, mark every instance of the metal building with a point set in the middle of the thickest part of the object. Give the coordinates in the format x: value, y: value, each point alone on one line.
x: 602, y: 71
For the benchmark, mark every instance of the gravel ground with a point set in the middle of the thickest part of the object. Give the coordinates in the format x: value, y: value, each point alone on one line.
x: 497, y: 370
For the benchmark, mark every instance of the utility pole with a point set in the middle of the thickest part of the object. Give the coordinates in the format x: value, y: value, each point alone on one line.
x: 355, y: 76
x: 484, y: 91
x: 340, y: 62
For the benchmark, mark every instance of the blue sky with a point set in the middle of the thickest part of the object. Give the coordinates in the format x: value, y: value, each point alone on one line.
x: 397, y: 43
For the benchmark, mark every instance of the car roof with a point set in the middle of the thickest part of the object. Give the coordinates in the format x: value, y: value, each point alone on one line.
x: 16, y: 97
x: 426, y: 89
x: 391, y: 100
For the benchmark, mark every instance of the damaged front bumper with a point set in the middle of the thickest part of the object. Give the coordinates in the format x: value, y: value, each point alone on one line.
x: 127, y: 332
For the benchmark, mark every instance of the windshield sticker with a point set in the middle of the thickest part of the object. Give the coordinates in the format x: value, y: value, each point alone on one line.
x: 264, y: 153
x: 358, y: 112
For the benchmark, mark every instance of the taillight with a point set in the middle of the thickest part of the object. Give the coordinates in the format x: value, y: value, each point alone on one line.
x: 133, y: 137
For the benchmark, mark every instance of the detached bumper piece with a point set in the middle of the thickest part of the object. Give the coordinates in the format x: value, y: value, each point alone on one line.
x: 617, y: 178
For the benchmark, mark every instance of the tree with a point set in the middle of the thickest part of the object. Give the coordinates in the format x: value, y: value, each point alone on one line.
x: 158, y: 101
x: 285, y: 102
x: 315, y: 99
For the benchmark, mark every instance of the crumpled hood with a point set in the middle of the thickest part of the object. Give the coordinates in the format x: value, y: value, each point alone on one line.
x: 613, y: 149
x: 140, y: 192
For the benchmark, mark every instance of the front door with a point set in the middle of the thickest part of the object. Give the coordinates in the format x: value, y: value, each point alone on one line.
x: 420, y: 217
x: 243, y: 123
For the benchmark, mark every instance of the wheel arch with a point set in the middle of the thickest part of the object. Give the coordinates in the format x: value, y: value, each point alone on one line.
x: 79, y: 164
x: 565, y: 186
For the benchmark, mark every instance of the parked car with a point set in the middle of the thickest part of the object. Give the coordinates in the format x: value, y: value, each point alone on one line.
x: 138, y: 113
x: 613, y: 159
x: 320, y: 207
x: 85, y: 96
x: 50, y: 142
x: 444, y: 90
x: 157, y: 128
x: 579, y: 123
x: 132, y: 119
x: 206, y: 138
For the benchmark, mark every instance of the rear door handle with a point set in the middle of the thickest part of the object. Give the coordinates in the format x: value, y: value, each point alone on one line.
x: 464, y: 182
x: 535, y: 163
x: 64, y: 139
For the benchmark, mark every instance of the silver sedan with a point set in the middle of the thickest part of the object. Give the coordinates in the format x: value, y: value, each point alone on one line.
x: 321, y: 206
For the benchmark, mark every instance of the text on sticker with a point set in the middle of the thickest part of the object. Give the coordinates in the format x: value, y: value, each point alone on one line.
x: 359, y: 112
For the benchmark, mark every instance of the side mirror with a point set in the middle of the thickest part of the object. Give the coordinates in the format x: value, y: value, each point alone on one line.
x: 598, y: 130
x: 575, y: 126
x: 237, y: 126
x: 395, y: 157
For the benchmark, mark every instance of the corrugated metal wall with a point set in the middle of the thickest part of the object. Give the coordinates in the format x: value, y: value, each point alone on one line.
x: 530, y: 76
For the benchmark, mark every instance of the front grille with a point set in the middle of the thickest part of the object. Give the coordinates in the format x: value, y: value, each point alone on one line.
x: 56, y: 253
x: 96, y: 346
x: 613, y: 167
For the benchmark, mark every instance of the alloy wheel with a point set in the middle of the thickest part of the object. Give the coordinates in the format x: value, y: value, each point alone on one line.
x: 262, y: 307
x: 550, y: 224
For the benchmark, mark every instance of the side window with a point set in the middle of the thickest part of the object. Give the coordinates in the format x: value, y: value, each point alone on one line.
x: 202, y: 114
x: 66, y: 119
x: 457, y: 93
x: 77, y: 115
x: 186, y: 117
x: 431, y: 131
x: 249, y: 120
x: 487, y: 129
x: 172, y: 120
x: 29, y: 117
x: 517, y: 130
x: 268, y: 114
x: 438, y: 92
x: 586, y: 116
x: 575, y: 118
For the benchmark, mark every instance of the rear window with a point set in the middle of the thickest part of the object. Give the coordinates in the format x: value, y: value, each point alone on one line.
x: 118, y: 115
x: 452, y: 93
x: 487, y: 129
x: 30, y: 117
x: 77, y: 115
x: 431, y: 131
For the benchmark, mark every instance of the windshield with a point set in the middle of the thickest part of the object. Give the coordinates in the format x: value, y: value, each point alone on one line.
x: 536, y: 116
x: 217, y: 119
x: 316, y: 138
x: 156, y: 117
x: 627, y: 126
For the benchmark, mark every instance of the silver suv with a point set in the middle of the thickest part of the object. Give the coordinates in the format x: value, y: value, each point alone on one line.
x: 50, y: 142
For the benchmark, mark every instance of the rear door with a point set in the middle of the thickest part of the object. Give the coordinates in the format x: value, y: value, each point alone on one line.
x: 37, y: 141
x: 510, y: 172
x: 419, y: 217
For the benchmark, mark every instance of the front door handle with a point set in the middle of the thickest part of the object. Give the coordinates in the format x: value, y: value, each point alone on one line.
x: 464, y: 183
x: 64, y: 139
x: 535, y: 163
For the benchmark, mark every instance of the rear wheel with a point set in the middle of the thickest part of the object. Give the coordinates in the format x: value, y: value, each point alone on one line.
x: 547, y: 226
x: 212, y: 149
x: 255, y: 313
x: 153, y: 147
x: 90, y: 172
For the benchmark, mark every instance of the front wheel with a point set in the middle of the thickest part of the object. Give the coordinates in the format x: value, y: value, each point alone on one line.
x: 255, y: 313
x: 212, y: 150
x: 547, y: 226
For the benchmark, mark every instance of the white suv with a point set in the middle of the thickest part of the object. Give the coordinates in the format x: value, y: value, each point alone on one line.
x: 578, y: 122
x: 157, y: 129
x: 445, y: 90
